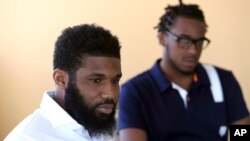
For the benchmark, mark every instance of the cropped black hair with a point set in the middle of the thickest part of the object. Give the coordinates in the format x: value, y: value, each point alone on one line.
x: 181, y: 10
x: 83, y: 40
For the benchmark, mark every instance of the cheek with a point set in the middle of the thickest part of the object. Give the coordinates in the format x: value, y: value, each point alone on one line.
x: 173, y: 53
x: 89, y: 95
x: 117, y: 94
x: 171, y: 48
x: 199, y: 53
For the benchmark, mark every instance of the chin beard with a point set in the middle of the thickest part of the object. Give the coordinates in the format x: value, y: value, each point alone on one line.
x: 96, y: 124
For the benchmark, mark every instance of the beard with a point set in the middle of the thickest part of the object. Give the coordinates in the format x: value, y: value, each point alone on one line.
x: 96, y: 124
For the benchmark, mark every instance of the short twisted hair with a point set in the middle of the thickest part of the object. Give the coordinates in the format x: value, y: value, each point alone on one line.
x: 76, y: 42
x: 181, y: 10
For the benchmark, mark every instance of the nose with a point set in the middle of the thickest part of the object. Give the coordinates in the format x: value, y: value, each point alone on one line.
x: 193, y: 49
x: 110, y: 91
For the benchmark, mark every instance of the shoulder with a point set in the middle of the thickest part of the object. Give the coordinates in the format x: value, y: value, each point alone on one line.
x: 226, y: 76
x: 138, y: 81
x: 228, y: 80
x: 137, y: 86
x: 223, y: 73
x: 25, y: 129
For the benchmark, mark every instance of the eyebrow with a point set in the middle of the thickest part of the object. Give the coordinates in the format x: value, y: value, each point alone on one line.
x: 97, y: 74
x: 119, y: 75
x: 187, y: 36
x: 102, y: 75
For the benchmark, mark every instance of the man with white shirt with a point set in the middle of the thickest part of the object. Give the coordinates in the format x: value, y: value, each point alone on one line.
x: 82, y: 107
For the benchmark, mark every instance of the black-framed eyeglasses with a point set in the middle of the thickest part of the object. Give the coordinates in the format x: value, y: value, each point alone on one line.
x: 187, y: 42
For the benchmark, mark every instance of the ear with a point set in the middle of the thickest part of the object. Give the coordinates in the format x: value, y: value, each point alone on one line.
x: 60, y: 78
x: 161, y: 38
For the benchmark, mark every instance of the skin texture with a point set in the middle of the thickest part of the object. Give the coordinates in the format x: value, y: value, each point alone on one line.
x: 178, y: 64
x: 98, y: 81
x: 96, y: 84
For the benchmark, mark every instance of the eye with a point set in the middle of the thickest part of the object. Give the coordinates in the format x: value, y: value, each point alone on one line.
x: 116, y: 81
x: 96, y: 80
x: 199, y: 43
x: 184, y: 40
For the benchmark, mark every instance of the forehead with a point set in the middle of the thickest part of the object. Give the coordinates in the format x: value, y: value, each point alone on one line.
x: 100, y: 65
x: 189, y: 26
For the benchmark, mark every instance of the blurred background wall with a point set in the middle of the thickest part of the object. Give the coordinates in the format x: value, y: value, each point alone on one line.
x: 29, y: 28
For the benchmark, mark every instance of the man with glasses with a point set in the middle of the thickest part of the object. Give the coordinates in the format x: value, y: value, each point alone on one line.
x: 179, y: 99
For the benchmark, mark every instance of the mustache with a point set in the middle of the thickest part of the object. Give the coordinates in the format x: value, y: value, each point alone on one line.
x: 192, y: 57
x: 107, y: 101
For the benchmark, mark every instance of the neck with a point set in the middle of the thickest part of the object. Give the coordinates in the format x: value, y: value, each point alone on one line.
x: 176, y: 76
x: 59, y: 96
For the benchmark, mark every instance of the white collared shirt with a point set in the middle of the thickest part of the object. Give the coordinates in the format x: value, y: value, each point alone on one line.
x: 50, y: 123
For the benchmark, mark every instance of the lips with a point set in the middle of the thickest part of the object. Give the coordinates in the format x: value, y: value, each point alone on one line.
x: 105, y: 108
x: 190, y: 61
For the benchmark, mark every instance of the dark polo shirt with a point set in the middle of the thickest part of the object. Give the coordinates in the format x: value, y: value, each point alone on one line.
x: 149, y: 102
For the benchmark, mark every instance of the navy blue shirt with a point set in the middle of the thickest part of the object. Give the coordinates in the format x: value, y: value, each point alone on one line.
x: 149, y: 102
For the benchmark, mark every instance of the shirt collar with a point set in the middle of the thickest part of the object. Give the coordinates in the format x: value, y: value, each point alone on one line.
x: 56, y: 114
x: 159, y: 78
x: 58, y: 117
x: 163, y: 83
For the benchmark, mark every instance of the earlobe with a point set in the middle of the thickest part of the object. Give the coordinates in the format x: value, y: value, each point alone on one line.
x: 161, y: 38
x: 60, y: 78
